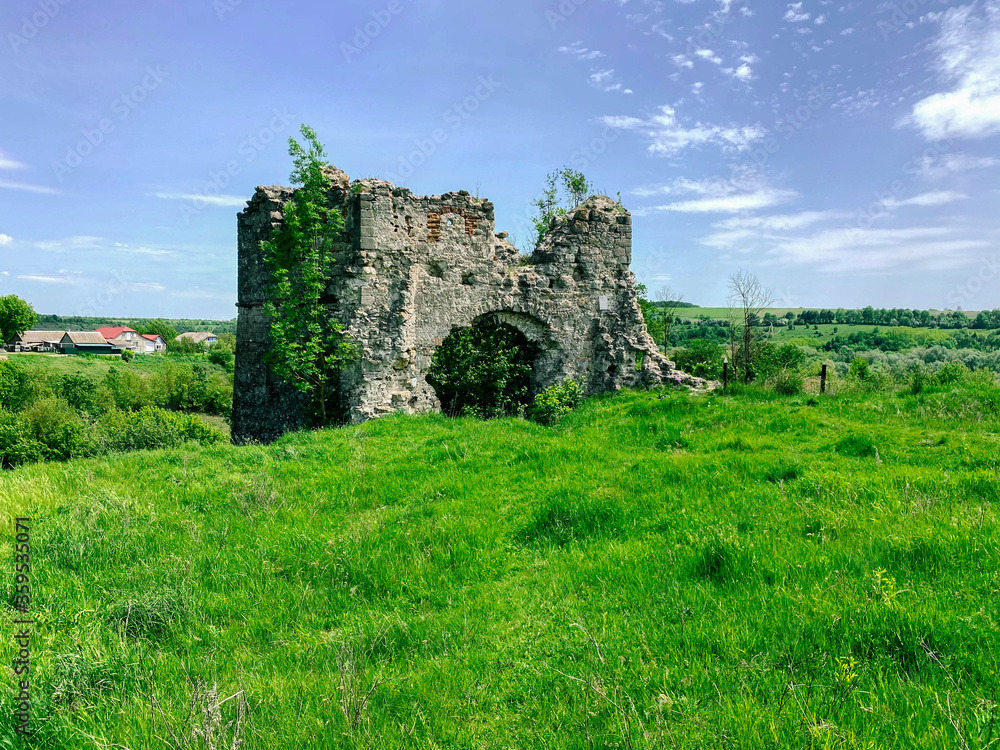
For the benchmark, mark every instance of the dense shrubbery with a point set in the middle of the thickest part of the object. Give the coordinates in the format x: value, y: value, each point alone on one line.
x: 701, y: 358
x: 484, y: 371
x: 68, y: 416
x: 555, y: 402
x: 153, y: 428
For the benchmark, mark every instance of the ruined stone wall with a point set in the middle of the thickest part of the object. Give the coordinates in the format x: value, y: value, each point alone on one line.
x: 410, y: 269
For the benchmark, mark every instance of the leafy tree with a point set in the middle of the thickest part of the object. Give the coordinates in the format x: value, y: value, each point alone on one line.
x: 576, y: 189
x: 185, y: 346
x: 16, y: 317
x: 308, y: 345
x: 157, y: 327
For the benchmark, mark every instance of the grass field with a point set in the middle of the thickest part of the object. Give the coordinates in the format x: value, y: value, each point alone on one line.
x: 687, y: 572
x: 816, y: 336
x: 722, y: 313
x: 61, y: 364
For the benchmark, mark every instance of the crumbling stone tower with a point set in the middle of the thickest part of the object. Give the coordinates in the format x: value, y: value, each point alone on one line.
x: 410, y: 269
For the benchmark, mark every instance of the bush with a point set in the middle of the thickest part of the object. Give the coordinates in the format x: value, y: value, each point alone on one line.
x: 952, y: 373
x: 16, y: 387
x: 774, y: 360
x: 484, y: 370
x: 221, y: 357
x: 153, y: 428
x: 701, y: 358
x: 58, y: 429
x: 127, y: 355
x: 860, y: 370
x: 17, y: 446
x: 184, y: 387
x: 787, y: 383
x: 555, y: 402
x: 185, y: 346
x: 124, y: 389
x: 79, y: 391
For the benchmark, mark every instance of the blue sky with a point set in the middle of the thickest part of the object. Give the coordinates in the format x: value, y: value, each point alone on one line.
x: 846, y: 152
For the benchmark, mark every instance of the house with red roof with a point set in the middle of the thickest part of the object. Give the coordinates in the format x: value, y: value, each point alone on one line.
x: 124, y: 337
x: 154, y: 343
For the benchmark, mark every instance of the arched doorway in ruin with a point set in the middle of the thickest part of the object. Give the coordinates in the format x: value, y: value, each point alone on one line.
x: 493, y: 366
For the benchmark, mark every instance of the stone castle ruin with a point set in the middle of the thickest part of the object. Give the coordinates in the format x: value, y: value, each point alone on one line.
x: 411, y: 269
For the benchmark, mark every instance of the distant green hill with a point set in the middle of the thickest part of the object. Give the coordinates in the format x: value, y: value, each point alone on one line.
x: 77, y: 323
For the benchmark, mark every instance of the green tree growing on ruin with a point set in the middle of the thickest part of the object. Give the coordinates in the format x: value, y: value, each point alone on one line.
x: 565, y: 189
x: 308, y: 344
x: 16, y: 317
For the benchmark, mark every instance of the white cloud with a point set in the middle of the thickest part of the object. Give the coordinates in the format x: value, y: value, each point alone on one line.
x: 707, y: 54
x: 782, y: 222
x: 848, y: 31
x: 744, y: 191
x: 234, y: 201
x: 5, y: 240
x: 819, y: 20
x: 758, y: 199
x: 932, y: 168
x: 145, y: 251
x: 577, y: 50
x: 860, y: 250
x: 80, y: 242
x: 743, y: 73
x: 145, y: 287
x: 682, y: 61
x: 940, y: 198
x: 45, y: 279
x: 968, y: 49
x: 795, y: 13
x: 670, y: 137
x: 6, y: 162
x: 41, y: 189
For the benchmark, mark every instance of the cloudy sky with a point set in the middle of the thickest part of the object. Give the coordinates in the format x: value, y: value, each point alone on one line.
x: 846, y: 152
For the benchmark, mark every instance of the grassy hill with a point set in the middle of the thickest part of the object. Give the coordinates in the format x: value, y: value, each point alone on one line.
x: 78, y: 323
x: 722, y: 313
x: 715, y: 571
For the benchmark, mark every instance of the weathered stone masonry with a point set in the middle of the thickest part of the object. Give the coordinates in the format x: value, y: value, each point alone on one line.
x: 410, y: 269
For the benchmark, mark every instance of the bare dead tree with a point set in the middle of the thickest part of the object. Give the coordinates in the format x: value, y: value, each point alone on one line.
x: 748, y: 298
x: 666, y: 295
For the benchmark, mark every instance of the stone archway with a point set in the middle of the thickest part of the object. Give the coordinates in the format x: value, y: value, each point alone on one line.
x: 548, y: 363
x: 488, y: 368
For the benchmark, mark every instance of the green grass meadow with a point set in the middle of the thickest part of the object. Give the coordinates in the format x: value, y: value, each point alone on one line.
x: 45, y: 365
x: 709, y: 571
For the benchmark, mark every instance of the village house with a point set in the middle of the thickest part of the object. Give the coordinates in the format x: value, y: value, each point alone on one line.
x: 36, y: 341
x: 154, y: 343
x: 123, y: 337
x: 87, y: 342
